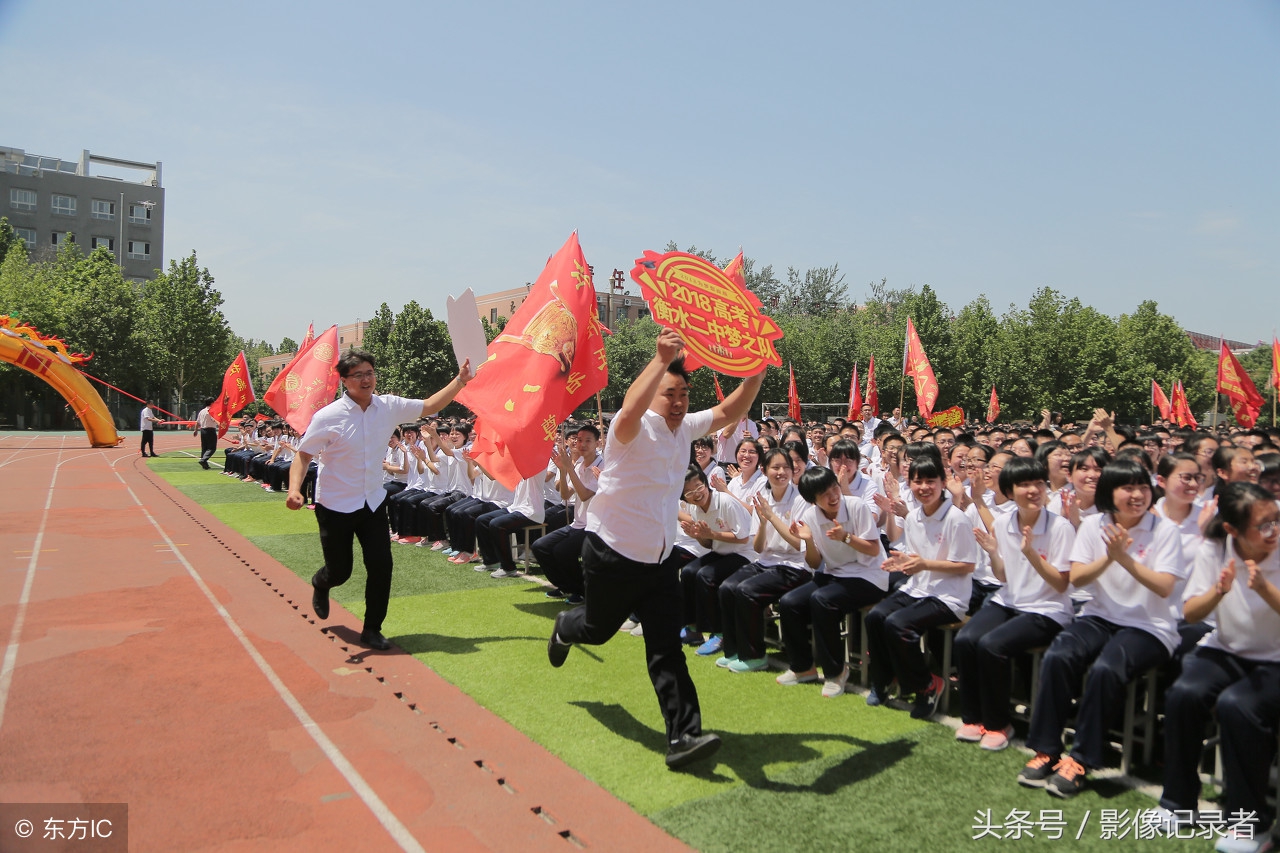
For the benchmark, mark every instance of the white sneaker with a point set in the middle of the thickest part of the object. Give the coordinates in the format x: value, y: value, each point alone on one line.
x: 835, y: 686
x: 628, y: 625
x: 791, y: 678
x: 1236, y: 841
x: 503, y: 573
x: 637, y: 631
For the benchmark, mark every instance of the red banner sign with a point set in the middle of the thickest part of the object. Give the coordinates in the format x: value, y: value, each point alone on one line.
x: 952, y: 417
x: 719, y: 319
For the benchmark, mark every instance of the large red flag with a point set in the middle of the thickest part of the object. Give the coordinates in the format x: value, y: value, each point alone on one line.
x: 1239, y: 388
x: 793, y: 397
x: 855, y: 395
x: 1160, y: 401
x: 310, y: 337
x: 917, y: 364
x: 873, y: 396
x: 308, y: 383
x: 237, y: 392
x: 719, y: 393
x: 735, y: 271
x: 993, y: 406
x: 1180, y: 408
x: 548, y: 360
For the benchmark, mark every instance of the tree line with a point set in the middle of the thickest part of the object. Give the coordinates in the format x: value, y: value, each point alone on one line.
x: 168, y: 338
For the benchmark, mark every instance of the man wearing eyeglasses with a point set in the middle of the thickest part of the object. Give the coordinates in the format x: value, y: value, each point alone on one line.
x: 350, y: 434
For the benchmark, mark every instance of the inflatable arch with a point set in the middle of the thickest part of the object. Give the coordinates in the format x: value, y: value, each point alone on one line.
x: 48, y: 358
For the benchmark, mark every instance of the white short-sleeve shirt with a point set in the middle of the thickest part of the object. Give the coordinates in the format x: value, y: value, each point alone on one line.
x: 725, y: 515
x: 1117, y: 595
x: 640, y: 485
x: 1246, y: 625
x: 838, y: 559
x: 352, y: 443
x: 1025, y: 590
x: 945, y: 535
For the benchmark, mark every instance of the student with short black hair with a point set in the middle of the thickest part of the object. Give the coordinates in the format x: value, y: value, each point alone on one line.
x: 1030, y: 551
x: 1234, y: 672
x: 842, y: 545
x: 1131, y: 562
x: 722, y: 525
x: 938, y: 557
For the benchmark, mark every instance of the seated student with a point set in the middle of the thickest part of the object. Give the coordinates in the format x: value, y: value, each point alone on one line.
x: 233, y: 464
x: 842, y: 543
x: 937, y: 558
x: 727, y: 439
x: 454, y: 485
x: 1178, y: 475
x: 1131, y: 561
x: 255, y: 463
x: 494, y: 529
x: 1056, y: 458
x: 1235, y: 465
x: 1269, y: 475
x: 1077, y: 501
x: 488, y: 495
x: 281, y: 460
x: 799, y: 453
x: 559, y: 553
x: 779, y: 567
x: 722, y: 525
x: 1234, y: 672
x: 703, y: 454
x: 748, y: 478
x: 1030, y: 552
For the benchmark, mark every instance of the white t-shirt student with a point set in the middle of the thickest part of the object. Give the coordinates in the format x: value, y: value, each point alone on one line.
x: 1052, y: 537
x: 148, y: 419
x: 1117, y: 595
x: 746, y: 491
x: 946, y: 535
x: 1246, y: 626
x: 841, y: 560
x: 777, y: 551
x: 725, y: 515
x: 587, y: 477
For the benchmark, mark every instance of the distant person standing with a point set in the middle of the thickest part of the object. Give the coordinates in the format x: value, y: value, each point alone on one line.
x: 149, y: 420
x: 351, y: 434
x: 207, y: 429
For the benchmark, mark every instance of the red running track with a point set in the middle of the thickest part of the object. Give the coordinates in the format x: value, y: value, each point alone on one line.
x: 153, y: 656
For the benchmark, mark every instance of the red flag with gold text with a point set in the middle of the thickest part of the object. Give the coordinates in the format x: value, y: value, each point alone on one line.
x: 873, y: 396
x: 793, y: 397
x: 1180, y: 409
x: 719, y: 393
x: 1239, y: 388
x: 1275, y: 363
x: 237, y: 392
x: 308, y: 383
x: 993, y: 406
x: 547, y: 361
x: 917, y: 365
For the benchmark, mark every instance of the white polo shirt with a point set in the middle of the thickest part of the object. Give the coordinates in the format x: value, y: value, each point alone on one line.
x: 1025, y: 590
x: 147, y: 417
x: 353, y: 443
x: 589, y: 482
x: 1117, y: 595
x: 640, y: 485
x: 1246, y: 625
x: 839, y: 559
x: 945, y: 535
x: 725, y: 515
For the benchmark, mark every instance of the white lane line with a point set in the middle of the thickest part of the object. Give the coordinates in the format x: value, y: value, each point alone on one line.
x: 397, y: 830
x: 15, y: 634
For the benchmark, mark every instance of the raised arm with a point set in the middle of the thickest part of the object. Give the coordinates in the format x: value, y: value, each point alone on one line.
x: 445, y: 395
x: 626, y: 424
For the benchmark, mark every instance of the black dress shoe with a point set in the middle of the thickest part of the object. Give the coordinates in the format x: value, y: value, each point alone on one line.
x: 375, y: 640
x: 204, y: 465
x: 690, y: 748
x: 319, y: 600
x: 556, y: 650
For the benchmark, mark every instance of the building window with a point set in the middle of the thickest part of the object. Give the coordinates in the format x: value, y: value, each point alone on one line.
x: 60, y: 237
x: 64, y: 205
x: 22, y: 199
x: 622, y: 313
x: 139, y: 214
x: 28, y: 236
x: 108, y: 243
x: 493, y: 315
x: 103, y: 210
x: 139, y: 251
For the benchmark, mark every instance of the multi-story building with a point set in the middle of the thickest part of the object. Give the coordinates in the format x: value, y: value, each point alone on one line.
x: 48, y: 200
x: 350, y: 335
x: 612, y: 305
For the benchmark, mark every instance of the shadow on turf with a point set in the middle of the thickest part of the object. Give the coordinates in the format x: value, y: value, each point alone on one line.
x: 747, y: 755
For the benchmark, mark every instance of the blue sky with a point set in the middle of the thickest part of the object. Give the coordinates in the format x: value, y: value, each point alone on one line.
x: 323, y: 158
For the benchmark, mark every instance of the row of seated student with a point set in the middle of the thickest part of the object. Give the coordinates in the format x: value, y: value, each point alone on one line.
x: 263, y: 453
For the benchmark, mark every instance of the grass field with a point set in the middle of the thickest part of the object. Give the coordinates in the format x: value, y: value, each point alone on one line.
x: 796, y: 772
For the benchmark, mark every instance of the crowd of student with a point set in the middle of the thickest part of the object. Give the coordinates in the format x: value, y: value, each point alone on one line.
x: 1113, y: 551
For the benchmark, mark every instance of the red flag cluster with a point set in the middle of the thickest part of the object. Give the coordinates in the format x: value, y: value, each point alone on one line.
x: 1239, y: 388
x: 309, y: 382
x: 1160, y: 402
x: 1179, y: 409
x: 237, y: 392
x: 855, y: 395
x: 549, y: 359
x: 873, y: 396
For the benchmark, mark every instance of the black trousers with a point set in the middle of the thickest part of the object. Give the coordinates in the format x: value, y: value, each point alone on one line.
x: 559, y: 555
x: 984, y: 650
x: 1246, y: 694
x: 1112, y: 656
x: 822, y: 603
x: 208, y: 444
x: 700, y: 581
x: 148, y: 440
x: 744, y: 595
x: 337, y: 530
x: 894, y: 627
x: 616, y: 587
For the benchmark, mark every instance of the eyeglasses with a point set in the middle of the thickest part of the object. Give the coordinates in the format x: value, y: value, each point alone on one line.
x: 694, y: 490
x: 1266, y: 528
x: 1188, y: 479
x: 362, y: 375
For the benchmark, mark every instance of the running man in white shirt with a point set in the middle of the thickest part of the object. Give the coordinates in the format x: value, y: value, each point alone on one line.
x: 352, y: 434
x: 631, y: 530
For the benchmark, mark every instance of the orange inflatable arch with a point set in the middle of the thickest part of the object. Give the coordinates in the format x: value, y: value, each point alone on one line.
x: 48, y: 358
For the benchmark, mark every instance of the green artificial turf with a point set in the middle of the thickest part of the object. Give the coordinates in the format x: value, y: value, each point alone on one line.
x: 796, y: 771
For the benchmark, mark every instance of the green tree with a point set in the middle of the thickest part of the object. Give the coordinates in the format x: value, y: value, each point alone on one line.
x: 820, y: 290
x: 287, y: 345
x: 1151, y: 346
x: 419, y: 355
x: 183, y: 329
x: 978, y: 361
x: 99, y: 316
x: 8, y: 238
x: 378, y: 332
